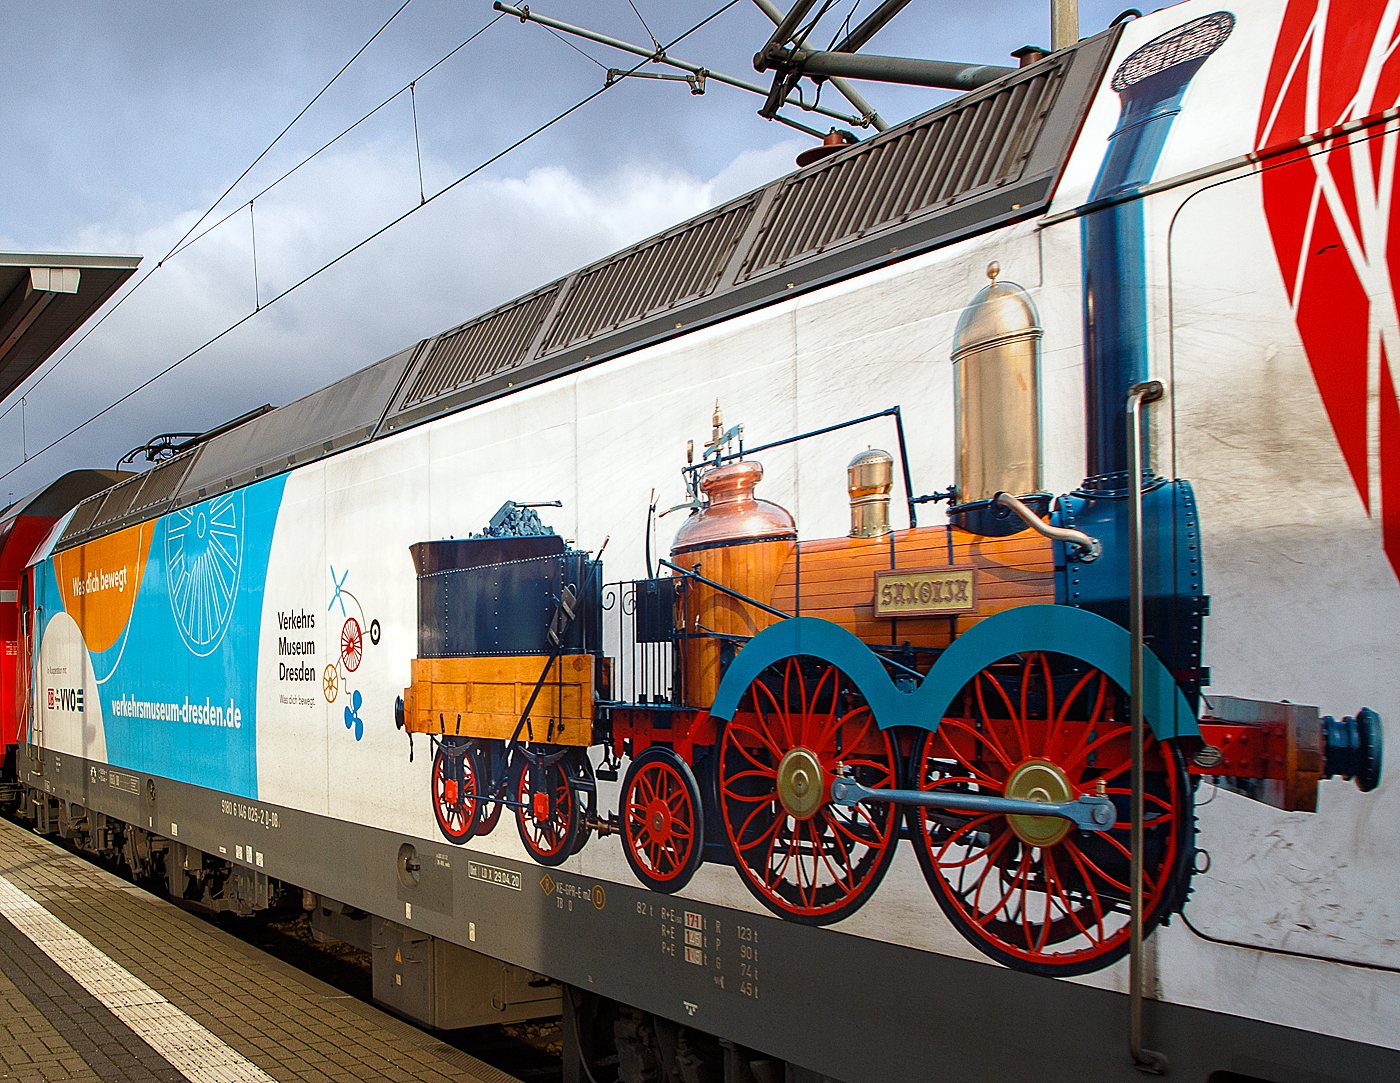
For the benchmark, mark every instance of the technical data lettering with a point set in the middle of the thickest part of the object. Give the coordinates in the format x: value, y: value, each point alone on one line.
x: 262, y: 817
x: 490, y: 874
x: 727, y: 951
x: 746, y: 939
x: 588, y: 896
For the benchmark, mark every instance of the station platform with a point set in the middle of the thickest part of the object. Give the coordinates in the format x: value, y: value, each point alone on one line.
x: 102, y: 981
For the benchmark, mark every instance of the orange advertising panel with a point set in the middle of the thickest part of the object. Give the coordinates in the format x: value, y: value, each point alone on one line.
x: 99, y: 582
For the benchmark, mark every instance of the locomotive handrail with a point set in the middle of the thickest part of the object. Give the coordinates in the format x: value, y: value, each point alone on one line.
x: 893, y: 411
x: 1147, y: 1059
x: 721, y: 587
x: 1089, y: 549
x: 590, y: 566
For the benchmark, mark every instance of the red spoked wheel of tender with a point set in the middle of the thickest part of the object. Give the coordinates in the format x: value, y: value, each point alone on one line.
x: 662, y: 820
x: 456, y: 791
x: 352, y: 644
x: 491, y: 759
x: 799, y: 724
x: 548, y: 818
x: 1033, y: 892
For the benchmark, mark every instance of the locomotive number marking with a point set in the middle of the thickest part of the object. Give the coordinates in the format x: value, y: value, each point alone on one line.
x: 262, y: 817
x: 924, y: 592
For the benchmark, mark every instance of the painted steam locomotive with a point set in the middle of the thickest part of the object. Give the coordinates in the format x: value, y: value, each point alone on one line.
x: 796, y: 708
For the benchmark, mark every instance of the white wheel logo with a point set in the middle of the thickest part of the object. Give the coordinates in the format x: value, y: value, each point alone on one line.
x: 203, y: 555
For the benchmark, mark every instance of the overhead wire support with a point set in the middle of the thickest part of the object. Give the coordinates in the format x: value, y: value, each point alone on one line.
x: 789, y: 63
x: 869, y: 26
x: 799, y: 126
x: 850, y: 93
x: 253, y: 228
x: 696, y: 81
x: 417, y: 146
x: 644, y: 25
x: 659, y: 56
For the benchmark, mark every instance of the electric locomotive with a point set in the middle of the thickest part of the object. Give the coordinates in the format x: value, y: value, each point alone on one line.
x: 883, y: 702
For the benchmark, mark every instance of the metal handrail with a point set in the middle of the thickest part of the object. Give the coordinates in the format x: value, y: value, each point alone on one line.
x: 1147, y: 1059
x: 1088, y: 549
x: 723, y: 589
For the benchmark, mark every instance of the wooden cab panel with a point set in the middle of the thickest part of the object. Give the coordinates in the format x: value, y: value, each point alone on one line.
x: 837, y: 577
x: 489, y: 695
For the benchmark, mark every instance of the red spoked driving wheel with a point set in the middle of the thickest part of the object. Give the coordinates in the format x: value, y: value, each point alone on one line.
x: 549, y: 816
x: 456, y: 786
x: 1032, y: 891
x: 662, y: 821
x: 799, y: 724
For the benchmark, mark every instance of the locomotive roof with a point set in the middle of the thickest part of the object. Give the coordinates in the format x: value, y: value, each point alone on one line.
x: 987, y: 158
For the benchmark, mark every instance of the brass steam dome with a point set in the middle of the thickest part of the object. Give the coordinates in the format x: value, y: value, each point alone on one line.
x: 996, y: 378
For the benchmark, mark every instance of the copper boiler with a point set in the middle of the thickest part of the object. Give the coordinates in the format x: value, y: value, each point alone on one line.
x: 740, y: 541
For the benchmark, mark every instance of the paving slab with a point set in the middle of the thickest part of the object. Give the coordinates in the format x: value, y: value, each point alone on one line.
x: 102, y: 982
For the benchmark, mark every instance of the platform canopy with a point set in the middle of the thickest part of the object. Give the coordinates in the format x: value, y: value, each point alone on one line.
x: 44, y: 298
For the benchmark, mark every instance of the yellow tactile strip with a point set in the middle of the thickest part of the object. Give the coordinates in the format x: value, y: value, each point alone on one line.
x: 290, y: 1025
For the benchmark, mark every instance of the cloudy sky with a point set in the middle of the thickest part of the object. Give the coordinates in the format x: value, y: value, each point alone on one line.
x: 126, y: 121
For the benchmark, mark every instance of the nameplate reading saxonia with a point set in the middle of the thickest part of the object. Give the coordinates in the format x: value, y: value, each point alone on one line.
x: 926, y: 592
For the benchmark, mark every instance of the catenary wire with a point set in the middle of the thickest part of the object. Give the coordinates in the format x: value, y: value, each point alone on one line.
x: 351, y: 250
x: 644, y: 25
x: 845, y: 27
x: 574, y: 47
x: 266, y: 150
x: 180, y: 245
x: 346, y: 131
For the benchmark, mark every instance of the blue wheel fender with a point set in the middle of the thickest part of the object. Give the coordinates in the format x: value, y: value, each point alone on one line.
x: 1057, y: 628
x: 819, y: 639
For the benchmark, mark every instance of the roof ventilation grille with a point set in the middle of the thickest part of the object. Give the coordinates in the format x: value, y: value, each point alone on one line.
x: 482, y: 348
x: 672, y: 269
x: 969, y: 147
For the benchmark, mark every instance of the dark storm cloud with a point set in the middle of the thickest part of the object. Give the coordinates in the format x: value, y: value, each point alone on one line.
x: 124, y: 121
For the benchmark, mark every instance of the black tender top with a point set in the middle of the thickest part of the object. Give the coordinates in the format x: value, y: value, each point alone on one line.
x: 431, y: 557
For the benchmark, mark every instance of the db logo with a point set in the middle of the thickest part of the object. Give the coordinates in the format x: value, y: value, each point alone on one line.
x: 66, y: 699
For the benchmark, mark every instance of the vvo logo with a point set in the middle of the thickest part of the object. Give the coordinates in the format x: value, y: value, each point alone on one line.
x: 66, y: 699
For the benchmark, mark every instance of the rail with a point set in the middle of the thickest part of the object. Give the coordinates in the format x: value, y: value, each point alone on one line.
x: 640, y: 636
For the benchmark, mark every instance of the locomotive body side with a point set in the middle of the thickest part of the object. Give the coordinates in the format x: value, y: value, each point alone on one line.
x: 313, y: 784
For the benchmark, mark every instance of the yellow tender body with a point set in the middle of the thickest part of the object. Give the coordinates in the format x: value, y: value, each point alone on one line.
x: 489, y: 695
